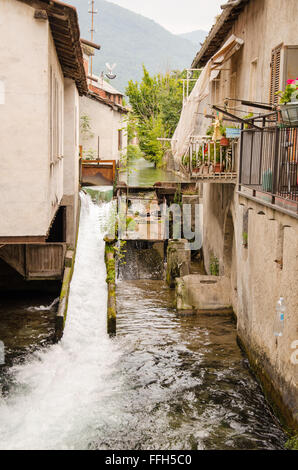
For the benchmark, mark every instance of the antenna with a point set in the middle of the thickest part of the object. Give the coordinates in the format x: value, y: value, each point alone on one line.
x: 92, y: 30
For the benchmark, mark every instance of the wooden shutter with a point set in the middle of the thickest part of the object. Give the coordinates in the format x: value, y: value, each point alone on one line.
x: 275, y: 75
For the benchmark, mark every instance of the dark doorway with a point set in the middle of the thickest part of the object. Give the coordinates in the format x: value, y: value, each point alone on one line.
x: 58, y: 229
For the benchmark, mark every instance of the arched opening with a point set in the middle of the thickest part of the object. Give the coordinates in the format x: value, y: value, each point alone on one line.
x: 229, y: 255
x: 228, y: 244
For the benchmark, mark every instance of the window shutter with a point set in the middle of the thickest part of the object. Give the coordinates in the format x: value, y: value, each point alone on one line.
x: 275, y: 75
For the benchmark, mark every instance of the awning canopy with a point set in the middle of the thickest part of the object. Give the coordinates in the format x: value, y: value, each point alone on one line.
x: 187, y: 123
x: 230, y: 47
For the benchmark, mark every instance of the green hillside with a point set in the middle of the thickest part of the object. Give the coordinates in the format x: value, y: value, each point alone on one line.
x: 130, y: 40
x: 196, y: 37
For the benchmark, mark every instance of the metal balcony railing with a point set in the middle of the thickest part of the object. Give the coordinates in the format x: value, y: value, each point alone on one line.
x: 269, y: 163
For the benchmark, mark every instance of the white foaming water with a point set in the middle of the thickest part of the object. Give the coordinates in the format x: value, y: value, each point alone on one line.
x: 44, y: 307
x: 65, y: 393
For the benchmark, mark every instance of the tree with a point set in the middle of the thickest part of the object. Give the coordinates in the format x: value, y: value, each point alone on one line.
x: 156, y: 105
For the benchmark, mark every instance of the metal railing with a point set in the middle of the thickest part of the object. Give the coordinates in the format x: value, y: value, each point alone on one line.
x: 269, y: 161
x: 205, y: 156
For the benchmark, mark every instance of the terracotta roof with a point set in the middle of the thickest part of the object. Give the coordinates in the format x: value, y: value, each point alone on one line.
x: 64, y: 24
x: 219, y: 32
x: 115, y: 106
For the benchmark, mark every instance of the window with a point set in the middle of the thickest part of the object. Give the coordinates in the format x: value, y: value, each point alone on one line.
x: 215, y: 90
x: 253, y: 80
x: 119, y: 139
x: 275, y: 74
x: 56, y: 117
x: 233, y: 85
x: 291, y: 64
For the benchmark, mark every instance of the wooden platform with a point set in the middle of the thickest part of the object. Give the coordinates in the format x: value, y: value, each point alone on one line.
x: 36, y: 262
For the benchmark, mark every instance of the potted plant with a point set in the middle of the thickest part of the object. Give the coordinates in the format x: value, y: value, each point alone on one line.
x: 216, y: 167
x: 289, y: 103
x: 224, y: 141
x: 248, y: 116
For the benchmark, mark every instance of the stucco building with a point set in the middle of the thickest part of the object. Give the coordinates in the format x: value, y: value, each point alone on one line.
x: 42, y: 76
x: 103, y: 127
x: 251, y: 224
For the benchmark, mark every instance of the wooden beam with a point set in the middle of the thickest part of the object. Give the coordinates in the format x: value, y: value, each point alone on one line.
x: 22, y: 240
x: 91, y: 44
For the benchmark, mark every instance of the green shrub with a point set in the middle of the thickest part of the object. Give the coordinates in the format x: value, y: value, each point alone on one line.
x: 214, y: 266
x: 134, y: 152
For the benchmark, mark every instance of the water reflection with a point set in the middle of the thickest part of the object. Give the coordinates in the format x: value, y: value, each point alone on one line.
x: 141, y: 172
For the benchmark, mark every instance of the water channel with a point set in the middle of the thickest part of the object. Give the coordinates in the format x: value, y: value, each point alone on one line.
x: 141, y: 172
x: 165, y: 382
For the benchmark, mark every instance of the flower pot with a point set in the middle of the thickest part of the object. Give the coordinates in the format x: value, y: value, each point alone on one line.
x: 224, y: 142
x: 289, y: 113
x: 217, y: 168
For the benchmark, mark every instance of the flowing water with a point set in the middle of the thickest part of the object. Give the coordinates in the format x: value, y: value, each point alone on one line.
x: 165, y: 382
x: 141, y: 172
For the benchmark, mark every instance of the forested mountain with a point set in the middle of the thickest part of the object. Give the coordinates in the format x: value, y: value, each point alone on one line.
x: 131, y: 40
x: 196, y: 37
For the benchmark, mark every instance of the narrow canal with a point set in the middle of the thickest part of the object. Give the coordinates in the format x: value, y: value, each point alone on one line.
x: 141, y: 172
x: 165, y: 381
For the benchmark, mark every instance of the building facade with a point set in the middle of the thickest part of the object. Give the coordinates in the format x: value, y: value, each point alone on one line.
x: 41, y: 75
x: 251, y: 227
x: 103, y: 123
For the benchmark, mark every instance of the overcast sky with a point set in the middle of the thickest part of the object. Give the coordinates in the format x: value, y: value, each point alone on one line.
x: 178, y: 16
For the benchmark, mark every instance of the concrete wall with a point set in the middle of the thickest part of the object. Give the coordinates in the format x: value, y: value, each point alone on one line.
x: 71, y: 158
x: 30, y: 188
x: 105, y: 123
x: 268, y: 267
x: 259, y: 274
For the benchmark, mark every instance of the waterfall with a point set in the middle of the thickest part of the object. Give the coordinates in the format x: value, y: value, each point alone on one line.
x: 63, y: 393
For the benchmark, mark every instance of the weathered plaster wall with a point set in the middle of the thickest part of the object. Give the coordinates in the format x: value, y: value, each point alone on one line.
x: 217, y: 198
x: 256, y: 277
x: 105, y: 123
x: 71, y: 158
x: 55, y: 180
x: 257, y: 280
x: 266, y: 270
x: 29, y: 191
x: 263, y: 25
x: 23, y: 130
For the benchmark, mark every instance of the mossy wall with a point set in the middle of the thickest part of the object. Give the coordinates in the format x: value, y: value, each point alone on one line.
x: 111, y: 282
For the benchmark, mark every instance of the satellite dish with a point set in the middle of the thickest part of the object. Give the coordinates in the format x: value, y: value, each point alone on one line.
x: 110, y: 75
